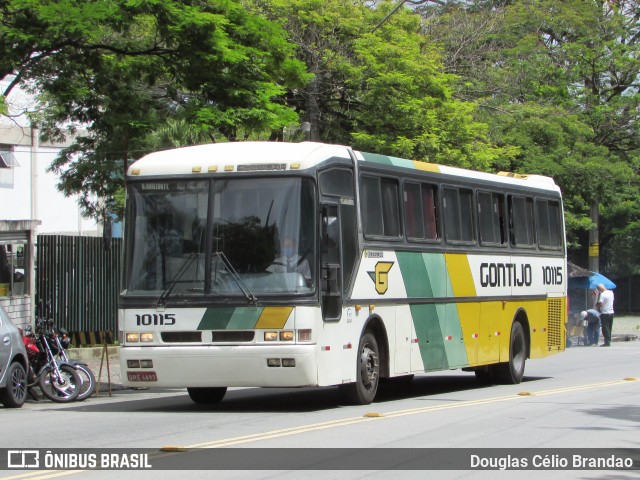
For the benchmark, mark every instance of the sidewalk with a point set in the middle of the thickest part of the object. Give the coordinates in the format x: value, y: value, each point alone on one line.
x: 95, y: 360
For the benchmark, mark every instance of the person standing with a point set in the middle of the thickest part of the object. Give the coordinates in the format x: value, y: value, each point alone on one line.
x: 605, y: 304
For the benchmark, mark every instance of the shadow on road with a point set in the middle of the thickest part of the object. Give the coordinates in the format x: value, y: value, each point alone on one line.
x: 282, y: 400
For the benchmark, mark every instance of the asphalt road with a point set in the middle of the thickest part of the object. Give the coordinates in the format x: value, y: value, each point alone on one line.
x: 583, y: 398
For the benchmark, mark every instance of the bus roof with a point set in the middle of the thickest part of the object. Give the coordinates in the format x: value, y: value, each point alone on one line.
x: 274, y: 156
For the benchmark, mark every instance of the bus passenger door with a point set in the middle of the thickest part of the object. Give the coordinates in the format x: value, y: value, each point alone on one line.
x: 330, y: 271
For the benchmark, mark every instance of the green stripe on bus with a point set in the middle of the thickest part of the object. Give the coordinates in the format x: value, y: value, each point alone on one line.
x: 402, y: 162
x: 216, y: 318
x: 429, y: 333
x: 437, y: 272
x: 424, y: 274
x: 376, y: 158
x: 455, y: 348
x: 386, y: 160
x: 437, y: 327
x: 415, y: 275
x: 245, y: 318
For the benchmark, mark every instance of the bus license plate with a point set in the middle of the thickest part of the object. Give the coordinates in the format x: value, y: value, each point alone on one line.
x: 142, y: 376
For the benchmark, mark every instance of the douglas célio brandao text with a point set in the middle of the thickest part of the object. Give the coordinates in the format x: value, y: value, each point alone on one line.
x: 552, y: 462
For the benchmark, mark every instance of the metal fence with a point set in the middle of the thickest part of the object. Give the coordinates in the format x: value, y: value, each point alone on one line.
x: 79, y: 280
x: 627, y: 295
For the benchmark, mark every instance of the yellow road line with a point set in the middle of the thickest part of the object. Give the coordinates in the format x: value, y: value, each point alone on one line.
x: 412, y: 411
x: 41, y: 475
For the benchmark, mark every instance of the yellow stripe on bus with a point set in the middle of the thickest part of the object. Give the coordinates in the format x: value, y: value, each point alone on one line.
x: 462, y: 284
x: 460, y: 275
x: 274, y: 317
x: 427, y: 167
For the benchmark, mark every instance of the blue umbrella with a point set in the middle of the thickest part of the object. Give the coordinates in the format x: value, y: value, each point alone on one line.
x: 591, y: 282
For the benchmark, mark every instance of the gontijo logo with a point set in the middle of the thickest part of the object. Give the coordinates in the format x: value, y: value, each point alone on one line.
x: 380, y: 276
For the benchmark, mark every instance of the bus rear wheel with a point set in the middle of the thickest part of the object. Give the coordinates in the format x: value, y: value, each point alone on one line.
x: 364, y: 390
x: 511, y: 372
x: 207, y: 396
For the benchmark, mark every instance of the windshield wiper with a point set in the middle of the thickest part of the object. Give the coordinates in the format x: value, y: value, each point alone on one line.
x: 162, y: 300
x: 251, y: 298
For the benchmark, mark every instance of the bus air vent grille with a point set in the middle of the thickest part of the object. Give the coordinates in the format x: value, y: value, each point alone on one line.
x: 232, y: 336
x: 555, y: 336
x: 181, y: 337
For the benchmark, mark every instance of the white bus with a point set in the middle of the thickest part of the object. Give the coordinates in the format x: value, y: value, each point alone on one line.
x: 264, y: 264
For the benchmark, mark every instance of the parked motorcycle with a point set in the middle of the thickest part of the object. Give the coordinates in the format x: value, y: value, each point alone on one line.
x: 59, y: 381
x: 59, y: 349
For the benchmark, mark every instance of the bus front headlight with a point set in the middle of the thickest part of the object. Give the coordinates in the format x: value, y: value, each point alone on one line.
x: 270, y: 336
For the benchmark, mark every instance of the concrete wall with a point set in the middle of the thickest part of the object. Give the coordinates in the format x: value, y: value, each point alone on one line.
x: 20, y: 309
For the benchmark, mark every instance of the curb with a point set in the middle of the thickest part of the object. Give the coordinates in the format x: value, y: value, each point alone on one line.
x: 624, y: 337
x: 93, y: 353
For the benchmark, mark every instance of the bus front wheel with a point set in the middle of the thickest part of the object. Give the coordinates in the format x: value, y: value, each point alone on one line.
x: 511, y: 372
x: 207, y: 396
x: 363, y: 390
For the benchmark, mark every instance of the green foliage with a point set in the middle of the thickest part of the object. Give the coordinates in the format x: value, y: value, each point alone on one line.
x: 114, y: 71
x: 530, y: 86
x: 557, y: 80
x: 380, y: 85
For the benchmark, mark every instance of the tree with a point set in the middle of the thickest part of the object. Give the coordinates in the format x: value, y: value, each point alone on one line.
x: 559, y: 81
x: 111, y: 72
x: 379, y: 83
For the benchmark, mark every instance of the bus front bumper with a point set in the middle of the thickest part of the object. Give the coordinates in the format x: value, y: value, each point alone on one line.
x: 219, y: 366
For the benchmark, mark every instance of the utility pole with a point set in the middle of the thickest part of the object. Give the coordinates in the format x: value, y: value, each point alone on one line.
x: 594, y: 242
x: 35, y: 145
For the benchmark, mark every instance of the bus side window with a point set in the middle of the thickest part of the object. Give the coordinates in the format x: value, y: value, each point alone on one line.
x: 413, y: 211
x: 420, y: 211
x: 430, y: 211
x: 458, y: 213
x: 521, y: 216
x: 371, y: 213
x: 491, y: 220
x: 380, y: 207
x: 548, y: 223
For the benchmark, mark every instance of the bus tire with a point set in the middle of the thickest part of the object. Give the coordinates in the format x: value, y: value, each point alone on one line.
x: 364, y: 389
x: 207, y: 396
x: 511, y: 372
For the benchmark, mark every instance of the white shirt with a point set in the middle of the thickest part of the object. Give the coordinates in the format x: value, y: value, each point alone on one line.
x: 606, y: 300
x: 291, y: 264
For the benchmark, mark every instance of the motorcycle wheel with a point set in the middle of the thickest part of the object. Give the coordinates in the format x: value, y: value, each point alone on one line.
x: 63, y: 389
x: 88, y: 382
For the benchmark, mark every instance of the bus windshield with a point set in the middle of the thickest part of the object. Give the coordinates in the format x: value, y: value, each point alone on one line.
x: 221, y: 237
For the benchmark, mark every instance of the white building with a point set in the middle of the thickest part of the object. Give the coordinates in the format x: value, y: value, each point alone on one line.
x: 30, y: 204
